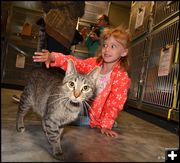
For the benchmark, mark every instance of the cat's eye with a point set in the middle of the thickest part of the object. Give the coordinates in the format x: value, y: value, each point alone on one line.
x: 85, y: 88
x: 71, y: 84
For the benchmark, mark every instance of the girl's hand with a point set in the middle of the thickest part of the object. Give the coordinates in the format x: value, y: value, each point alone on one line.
x: 109, y: 132
x: 43, y: 56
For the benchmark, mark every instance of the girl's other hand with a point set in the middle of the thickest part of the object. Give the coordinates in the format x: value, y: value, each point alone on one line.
x: 109, y: 132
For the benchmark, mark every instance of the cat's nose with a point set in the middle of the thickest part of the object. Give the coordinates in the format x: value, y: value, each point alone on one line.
x: 77, y: 93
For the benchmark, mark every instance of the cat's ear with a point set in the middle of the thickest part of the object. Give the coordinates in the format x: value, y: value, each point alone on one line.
x: 70, y: 68
x: 94, y: 73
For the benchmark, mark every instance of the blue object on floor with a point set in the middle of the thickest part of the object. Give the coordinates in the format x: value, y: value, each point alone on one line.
x: 84, y: 121
x: 115, y: 125
x: 81, y: 121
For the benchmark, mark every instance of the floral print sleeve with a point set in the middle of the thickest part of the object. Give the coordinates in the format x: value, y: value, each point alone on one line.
x: 82, y: 66
x: 116, y: 99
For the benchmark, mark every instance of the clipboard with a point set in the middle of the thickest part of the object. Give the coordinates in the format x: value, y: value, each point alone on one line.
x: 165, y: 61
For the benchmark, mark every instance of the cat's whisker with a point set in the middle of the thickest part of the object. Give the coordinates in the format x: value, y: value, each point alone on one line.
x: 66, y: 103
x: 65, y: 100
x: 57, y: 100
x: 83, y: 107
x: 87, y: 104
x: 62, y: 98
x: 90, y: 100
x: 86, y: 107
x: 54, y: 95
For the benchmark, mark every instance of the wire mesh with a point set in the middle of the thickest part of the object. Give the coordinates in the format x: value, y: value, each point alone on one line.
x: 159, y: 90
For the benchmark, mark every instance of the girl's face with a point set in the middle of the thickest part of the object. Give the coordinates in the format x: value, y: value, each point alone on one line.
x: 112, y: 50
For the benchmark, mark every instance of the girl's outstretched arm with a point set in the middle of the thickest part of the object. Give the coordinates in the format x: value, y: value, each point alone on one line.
x: 56, y: 59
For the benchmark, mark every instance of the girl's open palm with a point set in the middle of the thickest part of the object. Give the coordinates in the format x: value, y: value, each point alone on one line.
x: 43, y: 56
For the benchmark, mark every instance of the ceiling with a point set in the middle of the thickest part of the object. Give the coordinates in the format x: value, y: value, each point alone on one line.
x: 123, y: 3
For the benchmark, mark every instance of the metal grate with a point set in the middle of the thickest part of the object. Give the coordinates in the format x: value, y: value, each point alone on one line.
x: 11, y: 73
x: 136, y: 53
x: 159, y: 90
x: 18, y: 16
x: 164, y: 10
x: 136, y: 27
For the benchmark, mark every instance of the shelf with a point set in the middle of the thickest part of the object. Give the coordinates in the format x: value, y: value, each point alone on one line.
x: 29, y: 42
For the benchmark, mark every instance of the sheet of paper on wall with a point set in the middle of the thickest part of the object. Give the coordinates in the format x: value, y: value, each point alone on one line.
x: 140, y: 17
x: 165, y: 61
x: 20, y: 61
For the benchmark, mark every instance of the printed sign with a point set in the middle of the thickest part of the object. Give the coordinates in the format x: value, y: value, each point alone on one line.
x: 165, y: 60
x: 20, y: 61
x: 140, y: 17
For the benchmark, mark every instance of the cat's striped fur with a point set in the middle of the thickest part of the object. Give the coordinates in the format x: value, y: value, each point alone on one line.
x: 57, y: 102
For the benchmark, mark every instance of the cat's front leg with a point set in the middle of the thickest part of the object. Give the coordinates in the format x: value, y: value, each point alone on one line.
x: 53, y: 133
x: 57, y: 151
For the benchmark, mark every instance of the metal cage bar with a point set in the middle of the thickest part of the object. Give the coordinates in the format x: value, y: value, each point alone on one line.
x: 159, y: 90
x: 136, y: 53
x: 164, y: 10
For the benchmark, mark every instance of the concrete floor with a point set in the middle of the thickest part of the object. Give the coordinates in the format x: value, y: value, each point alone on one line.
x: 138, y: 140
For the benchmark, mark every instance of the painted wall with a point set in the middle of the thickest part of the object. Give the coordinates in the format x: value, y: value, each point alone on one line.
x: 119, y: 14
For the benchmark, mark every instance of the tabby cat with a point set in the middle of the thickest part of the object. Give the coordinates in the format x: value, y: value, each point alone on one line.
x: 57, y: 101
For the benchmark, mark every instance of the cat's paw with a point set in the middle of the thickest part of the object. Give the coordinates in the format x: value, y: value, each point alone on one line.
x: 20, y: 129
x: 59, y: 156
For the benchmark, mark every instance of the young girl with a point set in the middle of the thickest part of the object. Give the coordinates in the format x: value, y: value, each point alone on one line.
x: 112, y: 82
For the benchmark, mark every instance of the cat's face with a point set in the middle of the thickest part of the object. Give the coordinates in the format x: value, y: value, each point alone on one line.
x: 79, y: 87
